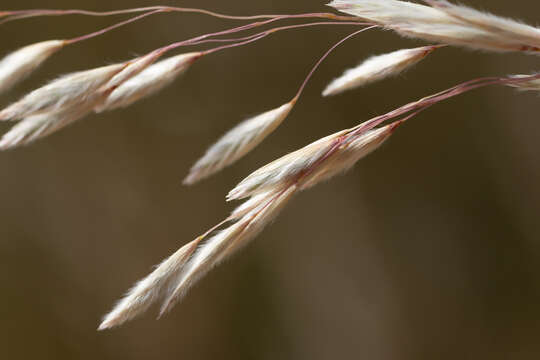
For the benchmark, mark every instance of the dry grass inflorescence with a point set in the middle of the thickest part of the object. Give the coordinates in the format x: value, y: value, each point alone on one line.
x: 267, y: 190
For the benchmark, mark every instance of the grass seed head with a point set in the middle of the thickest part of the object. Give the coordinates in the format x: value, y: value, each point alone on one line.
x: 21, y: 63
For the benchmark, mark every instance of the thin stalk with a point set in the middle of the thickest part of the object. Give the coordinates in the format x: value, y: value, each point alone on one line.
x: 443, y: 95
x: 23, y: 14
x: 112, y: 27
x: 319, y: 62
x: 268, y: 32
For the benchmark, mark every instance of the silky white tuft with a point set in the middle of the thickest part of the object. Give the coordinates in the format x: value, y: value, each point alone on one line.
x: 40, y: 125
x: 237, y: 142
x: 133, y: 68
x: 527, y: 85
x: 174, y: 276
x: 376, y: 68
x: 225, y: 243
x: 278, y: 173
x: 19, y: 64
x: 313, y: 163
x: 511, y: 29
x: 149, y: 289
x: 149, y: 81
x: 434, y: 24
x: 66, y: 100
x: 68, y: 90
x: 348, y: 154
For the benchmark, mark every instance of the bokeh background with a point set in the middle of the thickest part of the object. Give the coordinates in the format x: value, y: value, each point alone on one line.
x: 428, y: 249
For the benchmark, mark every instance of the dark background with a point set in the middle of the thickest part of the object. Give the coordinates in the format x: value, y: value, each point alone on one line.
x: 428, y: 249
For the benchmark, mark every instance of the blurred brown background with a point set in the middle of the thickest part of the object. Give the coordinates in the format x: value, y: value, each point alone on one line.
x: 428, y: 249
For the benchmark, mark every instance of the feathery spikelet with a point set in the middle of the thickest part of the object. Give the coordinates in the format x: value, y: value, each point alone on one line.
x: 133, y: 68
x: 42, y: 124
x: 237, y: 142
x: 19, y: 64
x: 174, y: 276
x: 252, y: 203
x: 149, y: 81
x: 318, y: 161
x: 278, y: 173
x: 434, y: 24
x: 511, y: 29
x: 336, y: 153
x: 377, y: 68
x: 226, y: 243
x: 68, y: 90
x: 66, y: 100
x: 349, y: 153
x: 530, y: 85
x: 149, y: 289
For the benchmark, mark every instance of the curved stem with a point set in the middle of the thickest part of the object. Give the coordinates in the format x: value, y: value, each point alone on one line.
x: 23, y: 14
x: 267, y: 32
x: 112, y: 27
x: 436, y: 98
x: 319, y: 62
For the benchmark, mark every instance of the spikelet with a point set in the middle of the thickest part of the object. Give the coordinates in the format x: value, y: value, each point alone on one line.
x: 68, y: 90
x: 226, y: 243
x: 313, y: 163
x: 508, y: 28
x: 149, y: 81
x: 42, y: 124
x: 252, y: 203
x: 433, y: 24
x: 279, y: 173
x: 527, y: 85
x: 174, y: 276
x: 133, y: 68
x: 377, y: 68
x: 19, y: 64
x: 318, y: 161
x: 348, y: 154
x: 66, y: 100
x: 237, y: 142
x: 149, y: 289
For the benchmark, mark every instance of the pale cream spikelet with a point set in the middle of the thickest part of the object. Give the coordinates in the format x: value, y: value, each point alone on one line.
x: 133, y: 68
x: 265, y: 212
x: 527, y: 85
x: 149, y: 81
x: 252, y: 203
x: 348, y: 154
x: 377, y: 68
x: 52, y: 107
x: 19, y: 64
x: 225, y: 243
x: 150, y: 289
x: 40, y: 125
x: 237, y: 142
x: 512, y: 29
x: 175, y: 275
x: 279, y: 173
x: 432, y: 24
x: 68, y: 90
x: 314, y: 163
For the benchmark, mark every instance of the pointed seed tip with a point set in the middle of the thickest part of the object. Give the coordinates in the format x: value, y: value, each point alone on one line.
x: 188, y: 181
x: 104, y: 326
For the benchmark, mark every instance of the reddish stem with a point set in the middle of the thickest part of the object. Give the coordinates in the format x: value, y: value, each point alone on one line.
x: 22, y: 14
x: 112, y: 27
